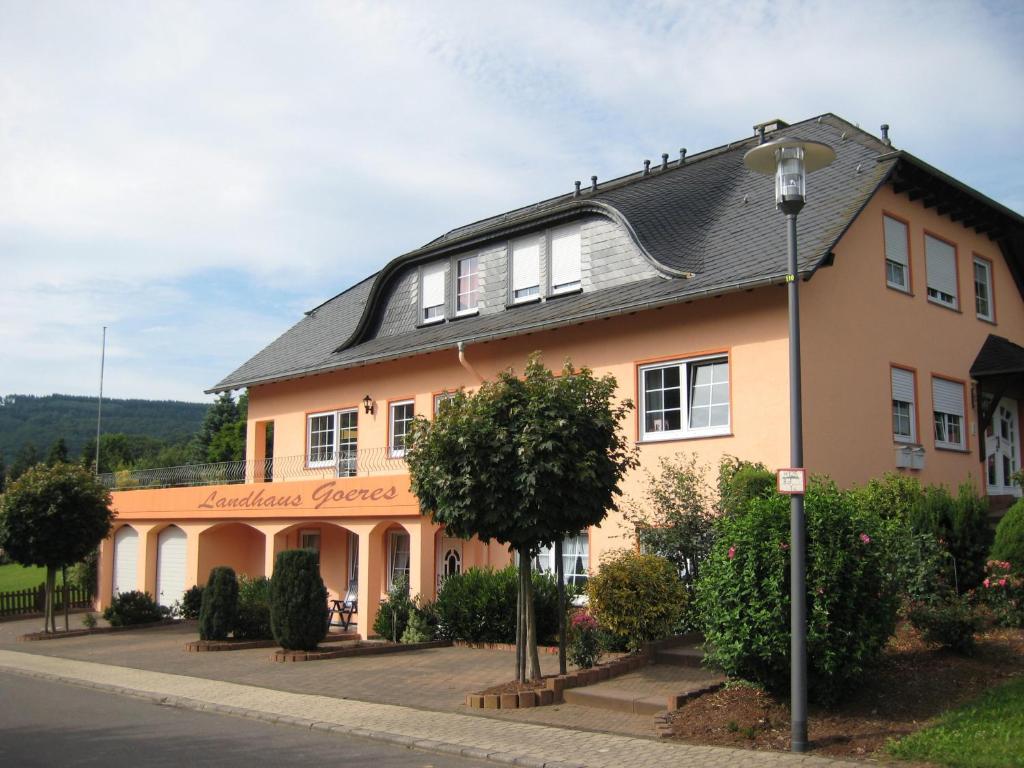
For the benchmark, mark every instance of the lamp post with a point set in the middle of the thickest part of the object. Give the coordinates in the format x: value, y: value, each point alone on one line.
x: 790, y: 160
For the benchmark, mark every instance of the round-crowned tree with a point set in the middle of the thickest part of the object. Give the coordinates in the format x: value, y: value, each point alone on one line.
x: 298, y: 601
x: 218, y: 611
x: 54, y: 517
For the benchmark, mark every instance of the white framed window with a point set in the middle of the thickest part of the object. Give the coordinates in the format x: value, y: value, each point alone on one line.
x: 467, y: 285
x: 432, y: 292
x: 983, y: 289
x: 398, y: 557
x: 897, y: 254
x: 904, y: 427
x: 948, y: 408
x: 575, y: 559
x: 401, y: 416
x: 320, y: 437
x: 332, y: 439
x: 685, y: 398
x: 525, y: 269
x: 940, y: 261
x: 566, y: 272
x: 440, y: 399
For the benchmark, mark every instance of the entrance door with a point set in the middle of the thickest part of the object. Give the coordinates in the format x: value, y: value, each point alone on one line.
x: 126, y: 559
x: 1002, y: 449
x: 170, y: 566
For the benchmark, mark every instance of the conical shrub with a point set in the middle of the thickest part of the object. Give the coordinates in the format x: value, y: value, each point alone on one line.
x: 219, y: 609
x: 298, y: 601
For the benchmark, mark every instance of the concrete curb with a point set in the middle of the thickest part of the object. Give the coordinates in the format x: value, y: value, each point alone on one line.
x: 409, y: 742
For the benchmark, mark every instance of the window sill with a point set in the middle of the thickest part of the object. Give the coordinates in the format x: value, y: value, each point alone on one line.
x: 569, y: 292
x: 467, y: 313
x: 897, y: 289
x: 950, y: 448
x: 659, y: 441
x: 429, y: 323
x: 989, y: 320
x: 937, y: 303
x: 521, y: 302
x: 906, y: 443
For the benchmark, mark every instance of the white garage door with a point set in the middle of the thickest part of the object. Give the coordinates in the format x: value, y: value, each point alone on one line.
x: 170, y: 566
x: 126, y: 559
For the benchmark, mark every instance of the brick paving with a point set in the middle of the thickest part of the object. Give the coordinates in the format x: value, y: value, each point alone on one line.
x: 443, y: 732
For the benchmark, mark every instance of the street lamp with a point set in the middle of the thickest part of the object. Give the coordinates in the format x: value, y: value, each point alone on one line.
x: 790, y: 160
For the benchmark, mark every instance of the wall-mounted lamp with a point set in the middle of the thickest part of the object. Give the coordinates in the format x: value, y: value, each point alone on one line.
x: 368, y: 404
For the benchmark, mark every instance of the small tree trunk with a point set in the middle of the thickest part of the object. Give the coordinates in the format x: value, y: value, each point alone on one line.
x: 531, y: 626
x: 560, y: 572
x: 64, y: 580
x: 49, y: 624
x: 520, y: 634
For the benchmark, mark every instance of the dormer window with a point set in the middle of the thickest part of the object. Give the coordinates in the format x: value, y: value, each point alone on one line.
x: 467, y: 286
x: 432, y: 292
x: 565, y: 260
x: 525, y: 270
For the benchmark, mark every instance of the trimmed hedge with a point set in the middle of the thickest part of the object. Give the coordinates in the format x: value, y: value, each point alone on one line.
x: 852, y: 595
x: 298, y: 601
x: 219, y: 609
x: 130, y: 608
x: 253, y: 619
x: 479, y: 606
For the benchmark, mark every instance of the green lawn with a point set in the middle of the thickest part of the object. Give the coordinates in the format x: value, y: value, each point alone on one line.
x: 14, y: 577
x: 987, y: 733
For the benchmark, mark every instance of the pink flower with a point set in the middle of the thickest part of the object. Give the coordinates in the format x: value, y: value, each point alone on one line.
x: 821, y: 590
x: 732, y: 552
x: 1002, y: 582
x: 783, y: 546
x: 865, y: 538
x: 986, y: 583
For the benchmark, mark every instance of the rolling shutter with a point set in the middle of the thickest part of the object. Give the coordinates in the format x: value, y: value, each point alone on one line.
x: 525, y: 264
x: 902, y: 385
x: 947, y: 397
x: 126, y: 559
x: 941, y: 261
x: 170, y: 568
x: 565, y: 258
x: 433, y: 285
x: 896, y: 241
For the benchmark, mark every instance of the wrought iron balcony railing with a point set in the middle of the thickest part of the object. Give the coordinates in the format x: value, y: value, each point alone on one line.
x: 344, y: 463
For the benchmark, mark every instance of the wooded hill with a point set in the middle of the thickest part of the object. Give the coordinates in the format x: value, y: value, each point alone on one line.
x: 42, y: 420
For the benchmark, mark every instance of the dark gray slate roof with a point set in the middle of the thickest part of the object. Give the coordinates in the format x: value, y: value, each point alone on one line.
x: 708, y: 225
x: 998, y: 357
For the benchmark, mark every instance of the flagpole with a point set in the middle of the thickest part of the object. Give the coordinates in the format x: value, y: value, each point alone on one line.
x: 99, y: 403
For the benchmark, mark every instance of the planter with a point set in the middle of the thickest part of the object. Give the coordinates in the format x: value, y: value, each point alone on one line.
x: 358, y: 649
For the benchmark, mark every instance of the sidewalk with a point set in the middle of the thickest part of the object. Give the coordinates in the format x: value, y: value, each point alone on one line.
x: 442, y: 732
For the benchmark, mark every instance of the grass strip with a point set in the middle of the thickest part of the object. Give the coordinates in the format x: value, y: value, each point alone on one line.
x: 985, y: 733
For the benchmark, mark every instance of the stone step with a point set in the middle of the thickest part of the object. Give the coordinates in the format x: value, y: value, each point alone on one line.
x: 680, y: 656
x: 616, y: 700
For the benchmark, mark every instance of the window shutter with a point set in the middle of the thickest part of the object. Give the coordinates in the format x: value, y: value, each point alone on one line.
x: 896, y: 241
x: 525, y: 264
x: 947, y: 397
x: 902, y: 385
x: 433, y: 284
x: 941, y: 261
x: 565, y: 257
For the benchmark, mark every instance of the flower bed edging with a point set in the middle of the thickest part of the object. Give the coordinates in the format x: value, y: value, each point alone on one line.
x: 362, y: 649
x: 554, y: 687
x: 199, y: 646
x: 34, y: 636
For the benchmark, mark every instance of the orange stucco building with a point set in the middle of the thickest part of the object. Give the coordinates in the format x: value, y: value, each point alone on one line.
x: 670, y: 280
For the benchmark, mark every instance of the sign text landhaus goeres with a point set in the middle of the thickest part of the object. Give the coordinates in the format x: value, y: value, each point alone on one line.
x: 324, y: 495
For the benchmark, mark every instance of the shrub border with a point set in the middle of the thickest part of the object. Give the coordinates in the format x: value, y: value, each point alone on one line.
x: 201, y: 646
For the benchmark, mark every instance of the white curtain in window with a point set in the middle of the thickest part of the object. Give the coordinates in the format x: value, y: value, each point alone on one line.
x: 565, y: 257
x: 947, y: 397
x: 525, y: 264
x: 940, y: 258
x: 399, y: 557
x: 576, y: 557
x: 433, y: 285
x: 896, y: 241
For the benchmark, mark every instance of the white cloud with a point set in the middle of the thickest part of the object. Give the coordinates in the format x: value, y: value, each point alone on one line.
x: 294, y: 149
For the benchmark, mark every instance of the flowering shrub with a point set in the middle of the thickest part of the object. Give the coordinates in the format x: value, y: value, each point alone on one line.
x: 584, y: 646
x: 1002, y: 594
x: 852, y: 596
x: 638, y: 597
x: 1009, y: 541
x: 951, y: 623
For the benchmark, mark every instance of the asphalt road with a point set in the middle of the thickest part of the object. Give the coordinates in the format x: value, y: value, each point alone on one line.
x: 44, y: 723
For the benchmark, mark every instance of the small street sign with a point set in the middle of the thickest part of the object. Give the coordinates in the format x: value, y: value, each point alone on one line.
x: 792, y: 480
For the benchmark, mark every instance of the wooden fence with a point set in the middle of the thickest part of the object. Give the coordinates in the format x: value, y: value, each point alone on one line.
x: 28, y: 601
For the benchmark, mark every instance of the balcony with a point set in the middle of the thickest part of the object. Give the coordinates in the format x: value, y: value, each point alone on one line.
x: 368, y: 462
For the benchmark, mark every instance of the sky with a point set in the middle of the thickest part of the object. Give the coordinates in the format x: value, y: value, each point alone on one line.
x: 196, y: 175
